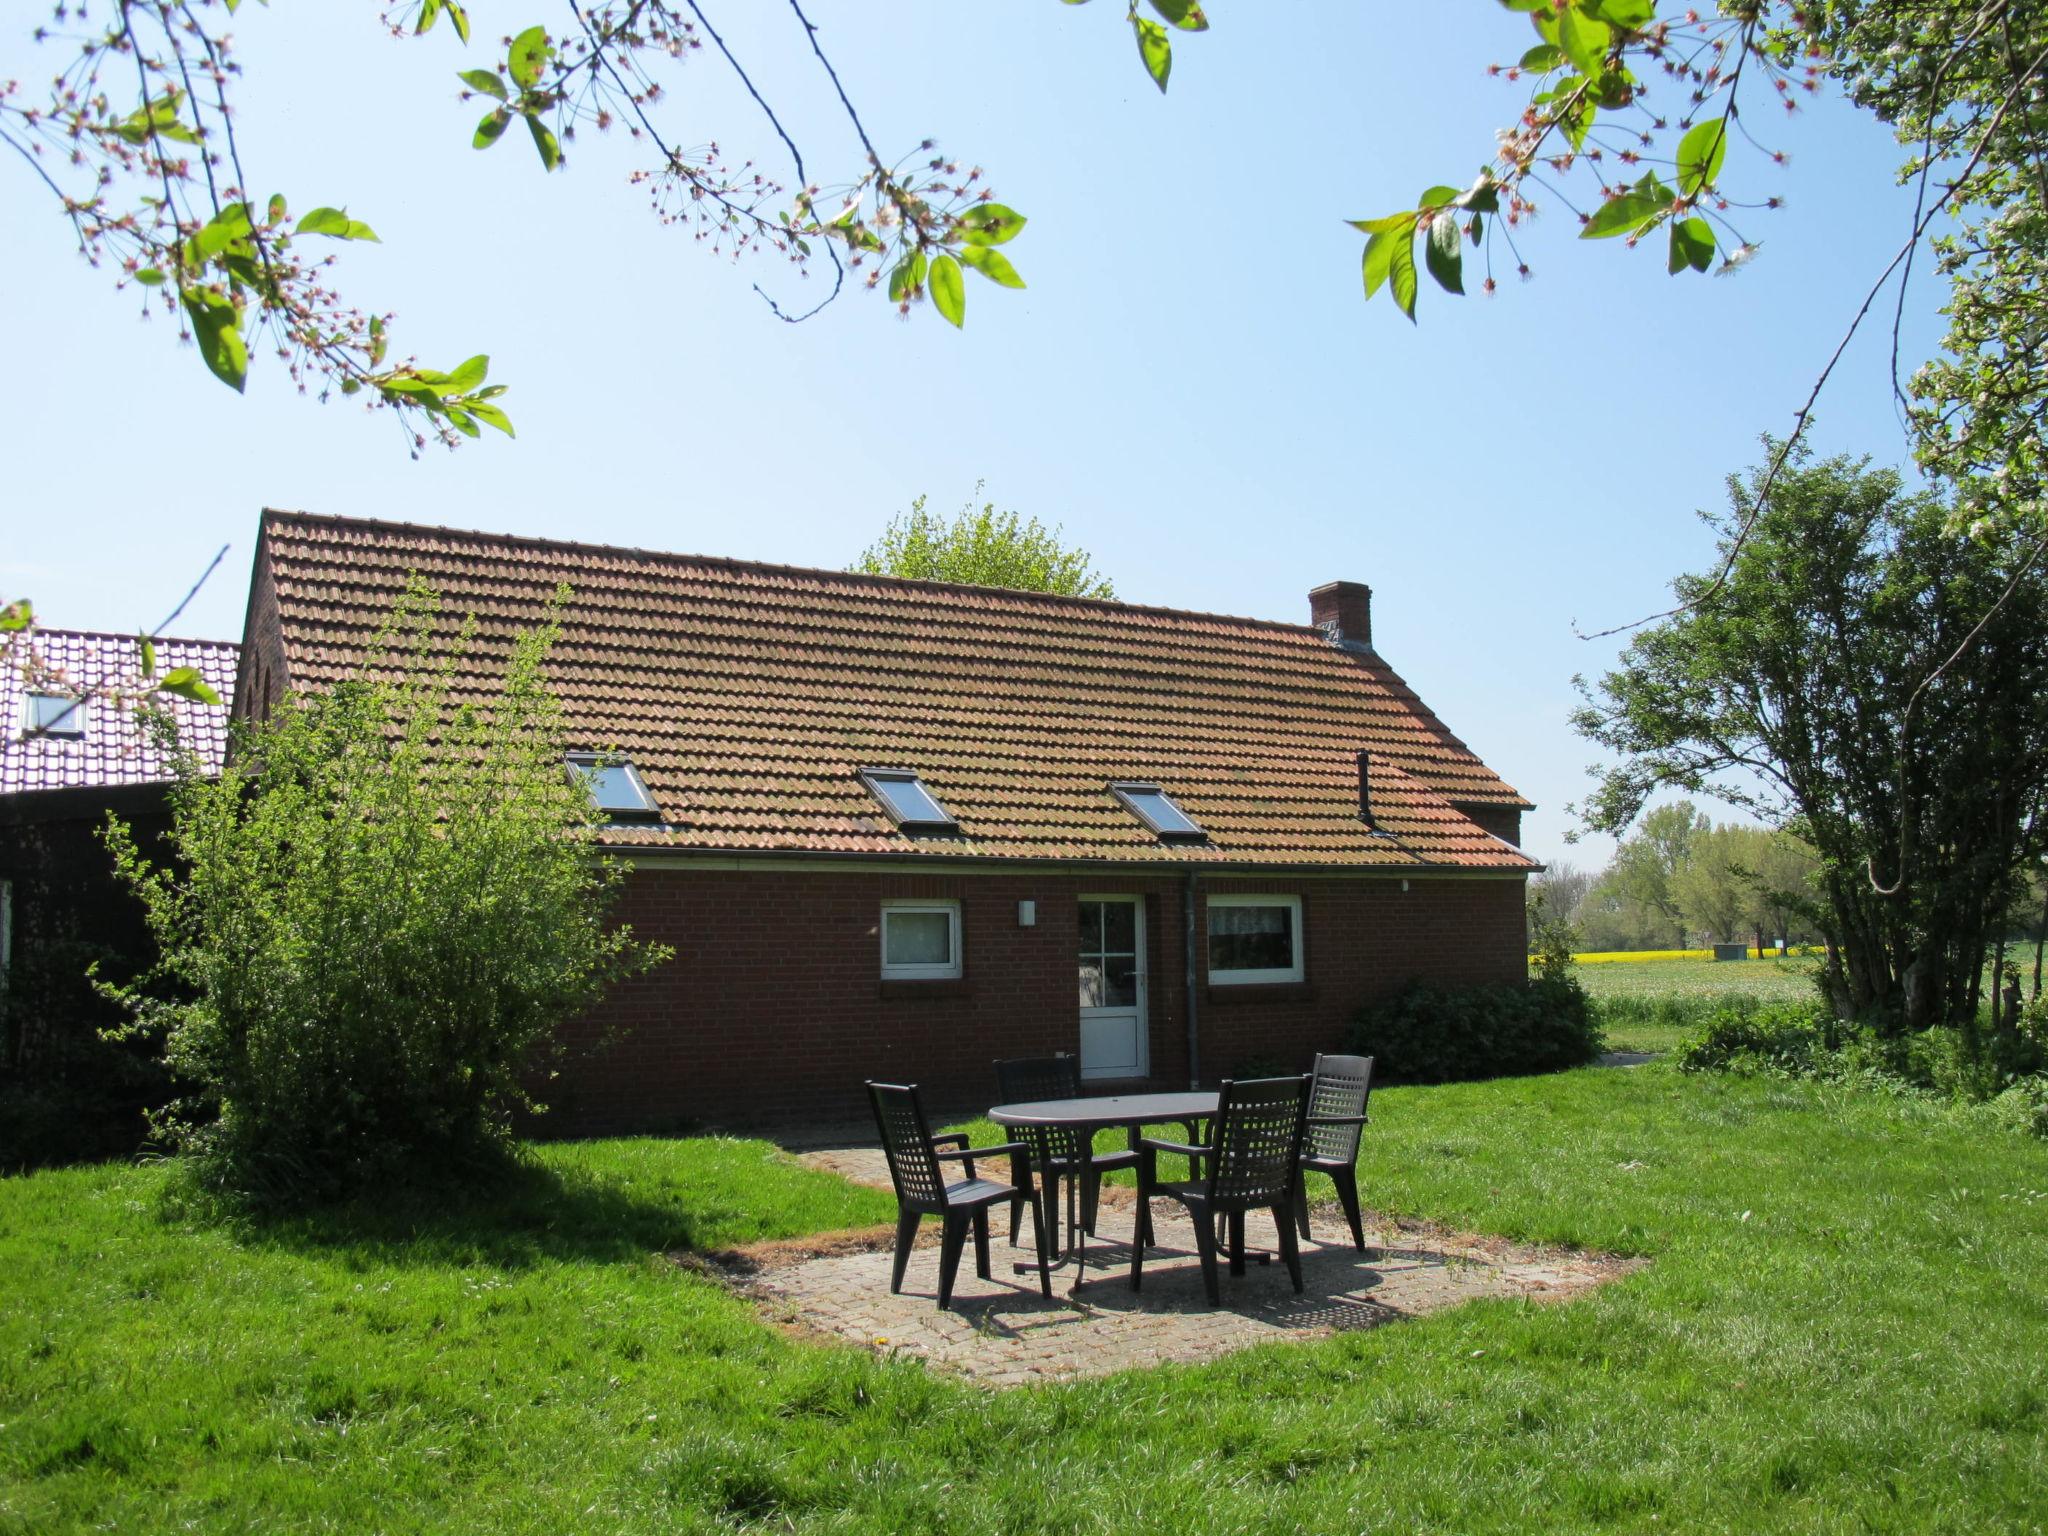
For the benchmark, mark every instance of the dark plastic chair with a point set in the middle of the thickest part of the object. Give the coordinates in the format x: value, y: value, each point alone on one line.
x: 1254, y: 1163
x: 1060, y: 1152
x: 921, y: 1188
x: 1339, y: 1091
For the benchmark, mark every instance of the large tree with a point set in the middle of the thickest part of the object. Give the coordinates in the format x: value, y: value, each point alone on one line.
x: 1854, y: 672
x: 985, y: 548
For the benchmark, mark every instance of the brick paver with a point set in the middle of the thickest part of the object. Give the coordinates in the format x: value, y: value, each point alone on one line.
x: 1001, y: 1331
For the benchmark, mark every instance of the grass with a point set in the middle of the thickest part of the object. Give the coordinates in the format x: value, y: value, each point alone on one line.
x: 1650, y: 1005
x: 1842, y: 1329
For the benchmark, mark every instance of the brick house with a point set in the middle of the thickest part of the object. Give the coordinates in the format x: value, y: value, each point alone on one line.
x: 71, y: 754
x: 900, y: 828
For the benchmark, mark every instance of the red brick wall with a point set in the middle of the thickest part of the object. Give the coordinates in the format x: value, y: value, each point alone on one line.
x: 773, y: 1006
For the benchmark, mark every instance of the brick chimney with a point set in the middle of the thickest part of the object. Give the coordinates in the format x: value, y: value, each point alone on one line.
x: 1342, y: 610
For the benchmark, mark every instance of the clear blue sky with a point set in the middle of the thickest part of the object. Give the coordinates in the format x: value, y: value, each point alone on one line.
x: 1191, y: 386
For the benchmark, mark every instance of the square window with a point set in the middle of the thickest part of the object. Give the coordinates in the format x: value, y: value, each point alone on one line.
x: 53, y: 714
x: 920, y: 940
x: 1255, y: 939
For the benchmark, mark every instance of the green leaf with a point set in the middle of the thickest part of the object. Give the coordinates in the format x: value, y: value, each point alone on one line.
x: 1401, y: 277
x: 148, y: 656
x: 1441, y: 252
x: 1642, y: 204
x: 486, y: 81
x: 1154, y: 48
x: 469, y: 375
x: 222, y: 231
x: 1379, y: 254
x: 1692, y: 245
x: 277, y: 212
x: 336, y: 222
x: 1185, y: 14
x: 186, y: 683
x: 216, y: 327
x: 491, y: 416
x: 1390, y: 224
x: 1543, y: 58
x: 459, y: 15
x: 1700, y: 154
x: 430, y: 12
x: 1436, y: 197
x: 377, y: 340
x: 991, y: 264
x: 491, y: 129
x: 529, y: 52
x: 1483, y: 196
x: 149, y: 277
x: 545, y: 141
x: 18, y: 614
x: 1621, y: 13
x: 991, y: 224
x: 949, y: 290
x: 1584, y: 40
x: 901, y: 281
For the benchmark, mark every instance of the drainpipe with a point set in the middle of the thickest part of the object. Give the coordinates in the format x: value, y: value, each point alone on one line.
x: 1194, y: 1035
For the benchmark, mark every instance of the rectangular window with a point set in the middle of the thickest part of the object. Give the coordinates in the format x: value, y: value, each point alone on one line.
x: 1154, y: 806
x: 615, y: 786
x: 1255, y: 939
x: 54, y: 714
x: 909, y: 804
x: 920, y: 940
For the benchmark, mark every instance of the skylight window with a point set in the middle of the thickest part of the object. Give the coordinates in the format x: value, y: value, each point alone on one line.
x: 53, y: 714
x: 615, y: 785
x: 1154, y: 806
x: 909, y: 804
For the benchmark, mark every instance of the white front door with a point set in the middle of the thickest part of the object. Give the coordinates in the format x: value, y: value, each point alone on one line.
x: 1113, y: 1035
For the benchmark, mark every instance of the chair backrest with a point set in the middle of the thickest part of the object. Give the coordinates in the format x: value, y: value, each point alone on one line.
x: 1030, y: 1079
x: 1257, y: 1144
x: 907, y: 1139
x: 1341, y: 1085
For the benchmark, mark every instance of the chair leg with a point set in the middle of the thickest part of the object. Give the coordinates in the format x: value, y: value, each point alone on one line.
x: 1205, y: 1247
x: 1091, y: 1196
x: 1290, y: 1250
x: 981, y: 1241
x: 1347, y: 1191
x: 1301, y: 1204
x: 906, y: 1234
x: 1038, y: 1226
x: 954, y: 1239
x: 1237, y: 1242
x: 1019, y: 1170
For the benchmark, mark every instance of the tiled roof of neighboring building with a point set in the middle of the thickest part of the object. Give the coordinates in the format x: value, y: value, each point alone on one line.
x: 749, y: 695
x: 101, y: 744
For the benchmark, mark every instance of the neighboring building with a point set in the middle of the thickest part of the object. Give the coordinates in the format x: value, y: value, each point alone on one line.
x: 898, y: 829
x: 71, y: 753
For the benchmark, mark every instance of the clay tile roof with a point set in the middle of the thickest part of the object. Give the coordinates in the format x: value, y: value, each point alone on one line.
x: 112, y: 749
x: 748, y: 695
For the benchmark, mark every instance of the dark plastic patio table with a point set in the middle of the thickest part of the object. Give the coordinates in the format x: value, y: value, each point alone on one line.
x: 1107, y: 1111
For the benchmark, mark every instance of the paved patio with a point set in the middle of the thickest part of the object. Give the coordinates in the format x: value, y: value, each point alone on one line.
x: 1002, y: 1332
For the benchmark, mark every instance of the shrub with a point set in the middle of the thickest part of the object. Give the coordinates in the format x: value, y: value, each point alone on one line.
x: 1436, y: 1035
x: 375, y: 936
x: 1738, y: 1035
x: 2023, y: 1107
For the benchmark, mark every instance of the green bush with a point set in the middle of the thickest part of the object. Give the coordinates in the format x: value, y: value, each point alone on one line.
x: 2023, y: 1107
x: 381, y: 911
x: 1739, y: 1035
x: 1439, y: 1035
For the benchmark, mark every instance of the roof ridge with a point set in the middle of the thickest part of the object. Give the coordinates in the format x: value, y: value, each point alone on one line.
x: 40, y: 628
x: 770, y: 567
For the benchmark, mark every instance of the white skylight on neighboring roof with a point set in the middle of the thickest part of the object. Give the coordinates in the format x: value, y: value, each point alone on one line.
x: 1154, y: 806
x: 615, y: 784
x: 909, y: 804
x: 53, y: 714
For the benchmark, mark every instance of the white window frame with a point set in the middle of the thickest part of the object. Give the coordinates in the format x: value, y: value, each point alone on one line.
x: 1298, y: 971
x: 73, y: 726
x: 951, y: 970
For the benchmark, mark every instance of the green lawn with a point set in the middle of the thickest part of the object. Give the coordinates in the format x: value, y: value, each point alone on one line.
x: 1844, y: 1329
x: 1649, y: 1005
